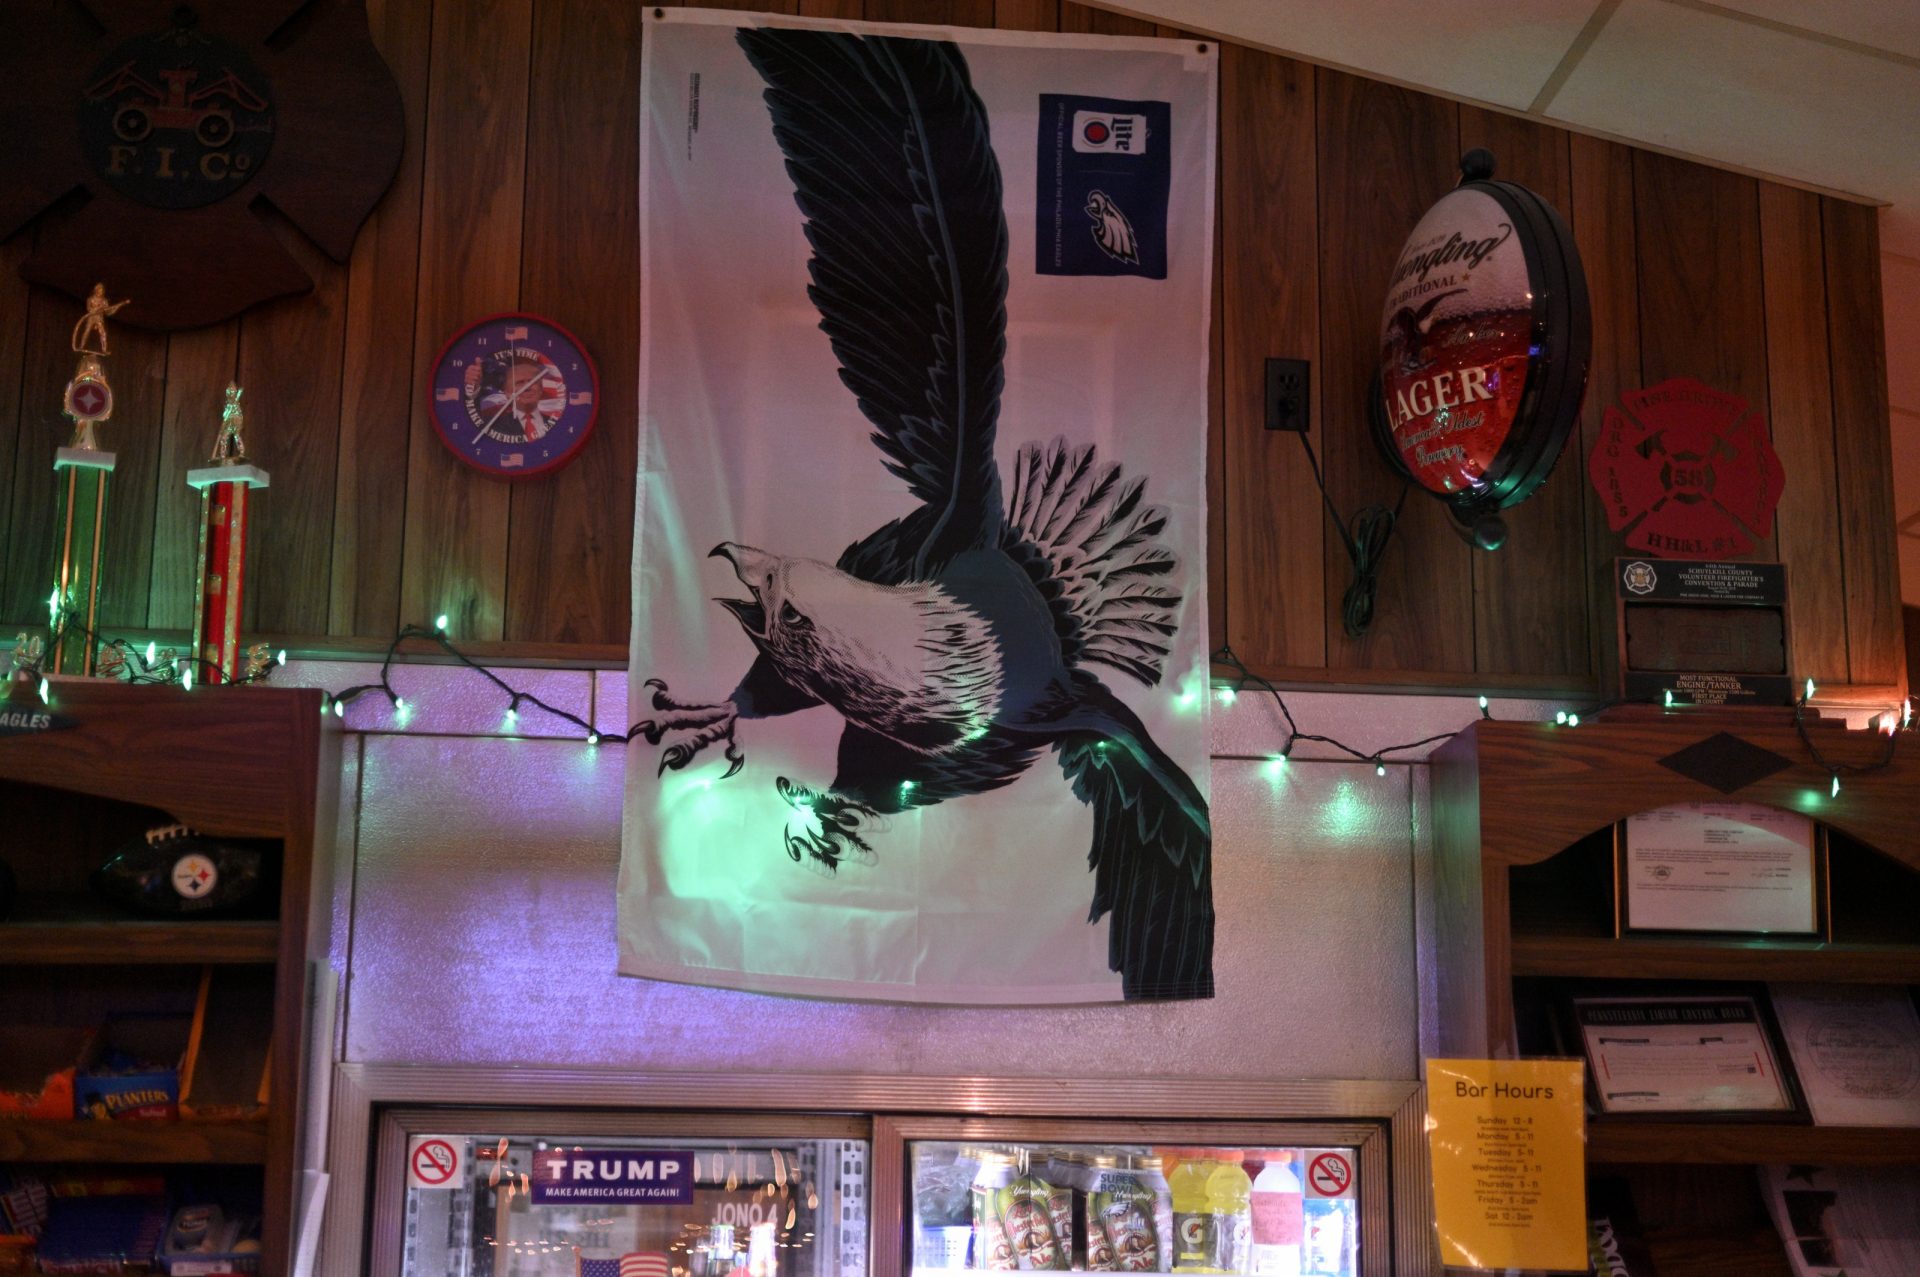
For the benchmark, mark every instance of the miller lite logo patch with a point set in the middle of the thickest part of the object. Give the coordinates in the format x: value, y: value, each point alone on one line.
x: 1686, y: 471
x: 1096, y: 132
x: 1106, y: 172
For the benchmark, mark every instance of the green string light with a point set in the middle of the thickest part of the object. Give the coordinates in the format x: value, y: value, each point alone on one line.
x: 440, y: 623
x: 1835, y: 793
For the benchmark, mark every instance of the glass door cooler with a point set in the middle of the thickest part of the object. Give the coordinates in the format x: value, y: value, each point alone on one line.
x: 633, y: 1191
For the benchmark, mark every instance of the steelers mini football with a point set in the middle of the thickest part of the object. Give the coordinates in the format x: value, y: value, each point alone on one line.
x: 175, y: 871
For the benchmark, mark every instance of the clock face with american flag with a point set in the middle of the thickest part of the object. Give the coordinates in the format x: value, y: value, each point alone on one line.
x: 514, y: 395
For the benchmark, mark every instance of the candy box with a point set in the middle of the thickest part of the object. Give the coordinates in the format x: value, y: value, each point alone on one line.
x: 37, y: 1065
x: 132, y: 1071
x: 102, y: 1234
x: 17, y: 1254
x: 204, y: 1240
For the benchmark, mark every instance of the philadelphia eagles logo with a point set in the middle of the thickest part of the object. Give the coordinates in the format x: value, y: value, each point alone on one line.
x: 959, y: 642
x: 1111, y: 229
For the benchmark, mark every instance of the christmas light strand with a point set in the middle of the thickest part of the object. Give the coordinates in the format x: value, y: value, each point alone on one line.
x: 127, y: 662
x: 164, y: 666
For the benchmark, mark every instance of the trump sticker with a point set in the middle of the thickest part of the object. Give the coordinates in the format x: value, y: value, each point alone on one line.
x: 643, y: 1176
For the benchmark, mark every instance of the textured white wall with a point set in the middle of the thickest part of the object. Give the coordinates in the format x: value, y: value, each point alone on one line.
x: 477, y: 912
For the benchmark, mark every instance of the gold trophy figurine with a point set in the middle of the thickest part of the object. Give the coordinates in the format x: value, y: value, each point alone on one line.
x: 230, y: 449
x: 89, y: 399
x: 94, y: 322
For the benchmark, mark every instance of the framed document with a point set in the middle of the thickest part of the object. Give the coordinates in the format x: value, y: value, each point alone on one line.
x: 1697, y: 1055
x: 1856, y: 1050
x: 1721, y: 867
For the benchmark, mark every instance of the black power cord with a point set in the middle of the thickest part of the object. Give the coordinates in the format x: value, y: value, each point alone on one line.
x: 1365, y: 541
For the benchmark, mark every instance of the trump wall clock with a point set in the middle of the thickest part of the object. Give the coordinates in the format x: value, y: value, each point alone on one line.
x: 514, y: 395
x: 1484, y: 345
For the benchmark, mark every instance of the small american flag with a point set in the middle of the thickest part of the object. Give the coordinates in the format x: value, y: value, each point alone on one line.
x: 515, y: 334
x: 638, y: 1264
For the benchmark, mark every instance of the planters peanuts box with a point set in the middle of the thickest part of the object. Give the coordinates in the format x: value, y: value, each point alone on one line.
x: 132, y: 1071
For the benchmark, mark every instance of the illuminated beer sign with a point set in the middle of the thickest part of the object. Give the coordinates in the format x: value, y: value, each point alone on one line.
x: 1484, y: 342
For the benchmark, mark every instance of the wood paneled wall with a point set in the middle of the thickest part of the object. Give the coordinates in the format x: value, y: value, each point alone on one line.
x: 517, y: 192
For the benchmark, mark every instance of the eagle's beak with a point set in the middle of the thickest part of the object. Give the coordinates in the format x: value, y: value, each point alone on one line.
x: 759, y: 572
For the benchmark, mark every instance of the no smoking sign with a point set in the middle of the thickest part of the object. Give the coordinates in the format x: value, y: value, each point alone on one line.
x: 1329, y: 1175
x: 433, y: 1161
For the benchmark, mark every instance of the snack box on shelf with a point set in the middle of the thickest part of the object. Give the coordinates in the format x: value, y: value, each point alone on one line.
x: 131, y: 1072
x: 102, y: 1234
x: 37, y: 1067
x: 206, y: 1240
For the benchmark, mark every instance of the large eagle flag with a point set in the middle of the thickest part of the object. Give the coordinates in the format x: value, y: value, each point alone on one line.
x: 919, y: 651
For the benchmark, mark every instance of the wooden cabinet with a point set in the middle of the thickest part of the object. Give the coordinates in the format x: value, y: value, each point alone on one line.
x: 252, y: 762
x: 1524, y: 896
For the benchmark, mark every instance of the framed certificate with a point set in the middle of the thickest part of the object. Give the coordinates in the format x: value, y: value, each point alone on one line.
x: 1855, y: 1049
x: 1721, y: 867
x: 1708, y: 1054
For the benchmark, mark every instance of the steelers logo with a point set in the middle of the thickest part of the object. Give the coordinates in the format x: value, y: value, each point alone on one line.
x: 194, y: 876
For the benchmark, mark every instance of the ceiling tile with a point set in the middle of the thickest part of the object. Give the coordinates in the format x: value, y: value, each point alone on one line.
x: 1489, y: 50
x: 1748, y: 95
x: 1883, y: 24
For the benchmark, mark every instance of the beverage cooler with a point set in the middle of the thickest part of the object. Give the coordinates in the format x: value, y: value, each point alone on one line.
x: 844, y: 1177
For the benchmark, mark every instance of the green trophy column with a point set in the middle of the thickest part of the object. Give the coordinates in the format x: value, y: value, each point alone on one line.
x: 80, y: 511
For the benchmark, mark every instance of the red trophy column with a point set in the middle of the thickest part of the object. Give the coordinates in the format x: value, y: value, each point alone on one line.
x: 224, y: 487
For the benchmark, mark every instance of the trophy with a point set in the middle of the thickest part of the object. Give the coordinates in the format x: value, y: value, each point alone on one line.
x: 224, y: 486
x: 80, y: 505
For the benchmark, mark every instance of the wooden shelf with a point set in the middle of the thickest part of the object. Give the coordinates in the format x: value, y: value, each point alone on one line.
x: 77, y: 931
x: 1711, y: 958
x: 254, y: 762
x: 233, y: 1143
x: 1616, y: 1141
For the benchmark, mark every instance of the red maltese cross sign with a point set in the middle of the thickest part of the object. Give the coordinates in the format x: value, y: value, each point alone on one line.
x: 1686, y: 471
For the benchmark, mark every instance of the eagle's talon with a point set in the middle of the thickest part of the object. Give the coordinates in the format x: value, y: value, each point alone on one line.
x: 707, y: 724
x: 829, y: 829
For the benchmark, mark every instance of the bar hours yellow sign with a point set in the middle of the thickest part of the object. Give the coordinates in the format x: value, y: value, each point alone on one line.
x: 1508, y: 1140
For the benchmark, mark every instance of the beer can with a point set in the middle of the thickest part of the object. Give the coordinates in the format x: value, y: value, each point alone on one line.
x: 991, y: 1249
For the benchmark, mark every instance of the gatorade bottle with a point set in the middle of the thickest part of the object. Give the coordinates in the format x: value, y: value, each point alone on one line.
x: 1279, y: 1217
x: 1229, y: 1201
x: 1193, y: 1247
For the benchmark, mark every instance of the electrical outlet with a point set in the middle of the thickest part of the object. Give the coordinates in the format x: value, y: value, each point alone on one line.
x: 1289, y: 387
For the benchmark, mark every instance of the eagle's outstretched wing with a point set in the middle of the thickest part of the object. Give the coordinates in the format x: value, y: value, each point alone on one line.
x: 1152, y: 853
x: 888, y: 149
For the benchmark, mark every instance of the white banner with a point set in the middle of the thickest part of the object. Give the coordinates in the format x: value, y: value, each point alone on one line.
x: 920, y: 561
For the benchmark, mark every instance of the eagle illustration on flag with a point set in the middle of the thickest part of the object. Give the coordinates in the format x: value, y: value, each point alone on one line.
x: 966, y: 639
